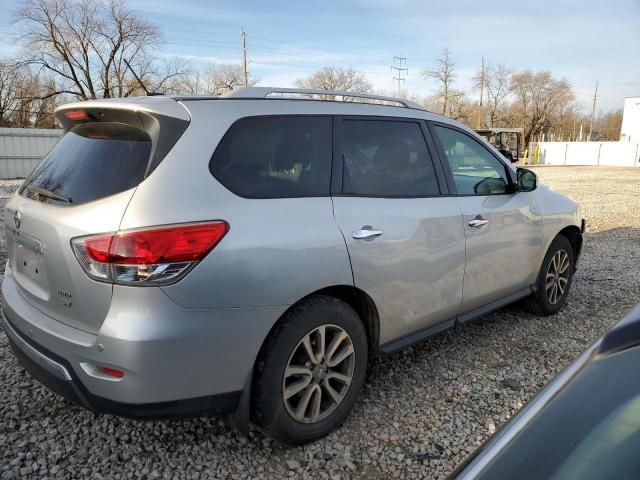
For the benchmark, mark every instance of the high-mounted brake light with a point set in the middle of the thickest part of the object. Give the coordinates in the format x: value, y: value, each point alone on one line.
x: 76, y: 115
x: 153, y: 256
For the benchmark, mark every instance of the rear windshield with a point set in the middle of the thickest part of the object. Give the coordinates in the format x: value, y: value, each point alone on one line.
x: 91, y: 161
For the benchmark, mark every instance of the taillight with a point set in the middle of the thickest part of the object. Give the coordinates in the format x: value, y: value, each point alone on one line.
x: 150, y: 256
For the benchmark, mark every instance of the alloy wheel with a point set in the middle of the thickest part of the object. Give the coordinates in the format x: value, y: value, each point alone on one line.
x: 557, y: 277
x: 318, y: 374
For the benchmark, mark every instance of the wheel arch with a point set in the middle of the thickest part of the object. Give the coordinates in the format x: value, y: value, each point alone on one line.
x: 364, y: 306
x: 356, y: 298
x: 571, y: 233
x: 574, y: 235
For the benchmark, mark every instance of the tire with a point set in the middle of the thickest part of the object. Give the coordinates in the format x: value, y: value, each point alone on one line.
x: 543, y: 301
x: 279, y: 411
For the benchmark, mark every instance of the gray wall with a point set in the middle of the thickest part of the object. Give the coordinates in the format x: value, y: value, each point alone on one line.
x: 21, y: 149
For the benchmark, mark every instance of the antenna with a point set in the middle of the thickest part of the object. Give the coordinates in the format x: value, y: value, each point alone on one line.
x: 147, y: 92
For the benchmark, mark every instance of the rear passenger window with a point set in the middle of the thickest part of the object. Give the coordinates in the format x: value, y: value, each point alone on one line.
x: 386, y: 158
x: 275, y: 157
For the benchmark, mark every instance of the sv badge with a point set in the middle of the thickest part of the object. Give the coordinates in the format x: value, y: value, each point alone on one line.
x: 64, y: 297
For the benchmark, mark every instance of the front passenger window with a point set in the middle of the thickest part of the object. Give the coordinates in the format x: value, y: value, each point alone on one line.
x: 475, y: 171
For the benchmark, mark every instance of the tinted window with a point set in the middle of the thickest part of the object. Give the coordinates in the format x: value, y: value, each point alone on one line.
x: 384, y: 158
x: 475, y: 170
x: 91, y: 161
x: 270, y: 157
x: 589, y: 431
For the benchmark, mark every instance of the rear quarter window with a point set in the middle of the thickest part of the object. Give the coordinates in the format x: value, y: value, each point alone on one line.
x: 275, y: 157
x: 91, y: 161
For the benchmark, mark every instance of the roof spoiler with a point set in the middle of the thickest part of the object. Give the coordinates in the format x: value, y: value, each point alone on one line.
x: 163, y: 130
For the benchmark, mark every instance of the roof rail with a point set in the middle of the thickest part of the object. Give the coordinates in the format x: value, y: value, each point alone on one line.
x: 313, y: 94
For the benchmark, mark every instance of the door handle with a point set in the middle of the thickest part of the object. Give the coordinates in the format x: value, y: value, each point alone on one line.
x: 366, y: 232
x: 478, y: 222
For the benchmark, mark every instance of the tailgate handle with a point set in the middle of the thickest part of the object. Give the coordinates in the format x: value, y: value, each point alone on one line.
x: 27, y: 241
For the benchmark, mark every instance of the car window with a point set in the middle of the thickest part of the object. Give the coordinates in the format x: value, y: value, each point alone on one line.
x: 91, y: 161
x: 475, y: 170
x: 274, y: 157
x: 386, y: 158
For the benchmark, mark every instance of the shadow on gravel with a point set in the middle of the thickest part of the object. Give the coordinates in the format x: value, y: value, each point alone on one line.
x: 421, y: 413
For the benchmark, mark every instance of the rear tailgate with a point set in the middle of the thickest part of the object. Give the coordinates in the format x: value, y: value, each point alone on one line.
x: 82, y: 187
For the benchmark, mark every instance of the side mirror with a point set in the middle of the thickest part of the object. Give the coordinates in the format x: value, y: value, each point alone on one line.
x: 527, y: 180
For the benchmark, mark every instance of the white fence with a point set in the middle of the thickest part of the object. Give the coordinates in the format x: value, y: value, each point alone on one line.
x: 21, y: 149
x: 620, y: 154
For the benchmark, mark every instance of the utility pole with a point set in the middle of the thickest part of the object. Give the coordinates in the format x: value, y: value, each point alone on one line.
x: 481, y: 94
x: 399, y: 70
x: 244, y: 57
x: 593, y: 111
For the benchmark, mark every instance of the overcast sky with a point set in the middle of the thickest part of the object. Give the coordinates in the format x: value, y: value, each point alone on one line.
x: 579, y: 40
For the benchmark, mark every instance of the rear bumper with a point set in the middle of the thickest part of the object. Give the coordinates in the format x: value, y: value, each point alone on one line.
x: 175, y: 361
x: 55, y: 374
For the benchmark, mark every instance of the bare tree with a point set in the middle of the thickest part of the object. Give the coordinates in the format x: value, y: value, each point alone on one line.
x: 26, y: 98
x: 334, y: 78
x: 214, y: 80
x: 608, y: 125
x: 497, y: 84
x: 9, y: 84
x: 539, y: 100
x: 444, y: 72
x: 85, y: 43
x: 460, y: 107
x: 226, y: 78
x: 192, y: 84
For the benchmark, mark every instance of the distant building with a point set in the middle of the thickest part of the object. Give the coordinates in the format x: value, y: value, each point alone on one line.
x: 630, y: 131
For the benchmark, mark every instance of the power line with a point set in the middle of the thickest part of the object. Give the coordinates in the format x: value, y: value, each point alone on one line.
x: 320, y: 48
x: 299, y: 47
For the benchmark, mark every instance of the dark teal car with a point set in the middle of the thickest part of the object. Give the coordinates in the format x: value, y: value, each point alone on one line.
x: 584, y: 425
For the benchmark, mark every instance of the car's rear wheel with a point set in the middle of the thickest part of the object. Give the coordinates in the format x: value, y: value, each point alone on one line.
x: 554, y: 279
x: 310, y: 371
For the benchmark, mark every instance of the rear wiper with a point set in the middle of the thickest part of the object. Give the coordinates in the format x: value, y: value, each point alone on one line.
x: 48, y: 193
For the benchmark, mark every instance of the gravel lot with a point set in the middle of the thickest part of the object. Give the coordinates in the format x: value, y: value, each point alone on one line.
x: 421, y: 413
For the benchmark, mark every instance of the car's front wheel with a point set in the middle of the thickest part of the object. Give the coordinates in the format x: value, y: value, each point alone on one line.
x: 554, y: 279
x: 311, y: 371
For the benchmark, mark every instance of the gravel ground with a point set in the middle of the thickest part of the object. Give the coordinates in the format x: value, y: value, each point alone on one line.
x: 421, y: 413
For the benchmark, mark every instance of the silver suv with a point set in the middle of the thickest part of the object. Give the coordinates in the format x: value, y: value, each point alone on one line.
x: 246, y: 254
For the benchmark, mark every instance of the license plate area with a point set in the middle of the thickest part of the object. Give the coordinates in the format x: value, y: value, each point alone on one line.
x: 28, y: 263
